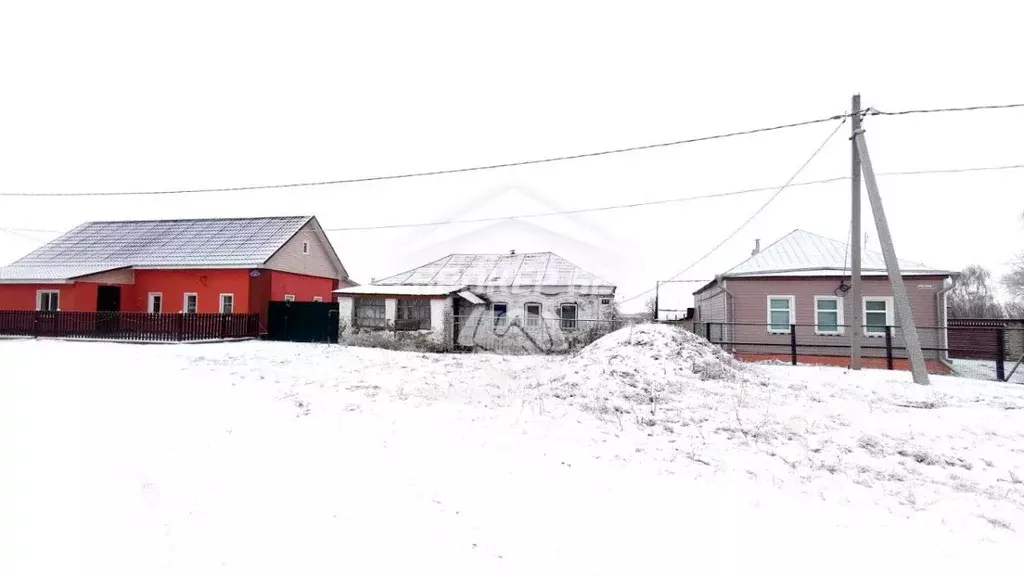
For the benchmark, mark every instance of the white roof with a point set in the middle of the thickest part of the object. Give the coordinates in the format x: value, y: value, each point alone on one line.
x: 498, y: 270
x: 802, y: 253
x: 400, y: 290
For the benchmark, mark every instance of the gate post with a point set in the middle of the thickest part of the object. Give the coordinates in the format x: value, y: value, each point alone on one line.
x: 792, y: 343
x: 888, y: 348
x: 1001, y: 358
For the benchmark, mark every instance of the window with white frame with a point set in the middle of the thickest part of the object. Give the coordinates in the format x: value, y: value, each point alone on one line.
x: 781, y: 313
x: 568, y: 315
x: 156, y: 303
x: 500, y: 312
x: 305, y: 247
x: 878, y: 313
x: 48, y: 300
x: 533, y: 314
x: 289, y: 297
x: 227, y: 303
x: 191, y: 304
x: 828, y: 315
x: 318, y: 298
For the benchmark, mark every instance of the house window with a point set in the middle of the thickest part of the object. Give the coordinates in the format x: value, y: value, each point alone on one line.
x: 156, y: 302
x: 369, y: 313
x: 878, y: 313
x: 500, y: 312
x: 533, y: 311
x: 289, y: 297
x: 567, y: 313
x: 318, y: 298
x: 305, y: 247
x: 227, y: 303
x: 828, y: 315
x: 606, y: 301
x: 48, y: 300
x: 413, y: 314
x: 191, y: 305
x: 781, y: 313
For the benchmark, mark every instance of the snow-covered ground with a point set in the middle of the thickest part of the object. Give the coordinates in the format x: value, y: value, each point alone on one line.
x: 648, y: 452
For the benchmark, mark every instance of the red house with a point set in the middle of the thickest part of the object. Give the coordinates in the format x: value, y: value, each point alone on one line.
x: 224, y: 265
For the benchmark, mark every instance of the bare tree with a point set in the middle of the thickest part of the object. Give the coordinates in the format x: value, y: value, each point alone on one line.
x: 973, y: 296
x: 650, y: 313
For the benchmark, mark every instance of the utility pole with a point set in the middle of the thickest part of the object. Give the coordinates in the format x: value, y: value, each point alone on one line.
x: 856, y: 322
x: 657, y: 294
x: 904, y: 314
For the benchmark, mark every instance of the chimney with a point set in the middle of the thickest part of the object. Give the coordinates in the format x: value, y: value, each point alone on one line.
x: 512, y: 252
x: 757, y: 247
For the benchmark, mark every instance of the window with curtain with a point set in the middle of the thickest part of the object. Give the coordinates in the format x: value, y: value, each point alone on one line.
x: 568, y: 314
x: 533, y: 311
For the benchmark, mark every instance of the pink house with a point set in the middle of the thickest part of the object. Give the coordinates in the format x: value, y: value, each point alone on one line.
x: 803, y: 280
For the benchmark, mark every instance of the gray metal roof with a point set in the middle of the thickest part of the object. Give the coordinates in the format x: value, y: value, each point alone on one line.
x: 495, y: 270
x: 212, y: 243
x: 52, y: 273
x: 802, y: 253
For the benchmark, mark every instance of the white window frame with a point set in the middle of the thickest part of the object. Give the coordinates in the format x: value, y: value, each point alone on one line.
x: 150, y: 301
x: 792, y: 312
x: 289, y: 297
x: 839, y: 316
x: 184, y: 303
x: 533, y: 321
x: 890, y: 314
x: 39, y: 300
x: 567, y: 324
x: 220, y: 302
x: 318, y: 298
x: 305, y: 247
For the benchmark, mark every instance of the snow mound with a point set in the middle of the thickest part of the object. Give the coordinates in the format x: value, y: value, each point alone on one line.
x: 647, y: 373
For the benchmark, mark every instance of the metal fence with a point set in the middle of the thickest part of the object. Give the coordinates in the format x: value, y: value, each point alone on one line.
x: 135, y: 326
x: 981, y: 352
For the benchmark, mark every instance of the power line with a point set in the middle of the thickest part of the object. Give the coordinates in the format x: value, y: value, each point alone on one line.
x: 437, y: 172
x: 681, y: 199
x: 752, y: 216
x: 876, y: 112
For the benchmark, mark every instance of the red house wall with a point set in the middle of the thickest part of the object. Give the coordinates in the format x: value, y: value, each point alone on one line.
x: 303, y: 287
x: 174, y: 284
x: 73, y: 297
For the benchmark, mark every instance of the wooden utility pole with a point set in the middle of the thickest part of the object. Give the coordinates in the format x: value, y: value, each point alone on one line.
x: 904, y: 314
x: 855, y: 320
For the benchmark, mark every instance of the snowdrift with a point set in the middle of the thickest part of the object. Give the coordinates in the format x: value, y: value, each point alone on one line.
x: 649, y: 373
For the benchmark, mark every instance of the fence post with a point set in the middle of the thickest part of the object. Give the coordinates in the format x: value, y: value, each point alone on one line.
x: 1001, y: 358
x: 178, y: 326
x: 792, y: 342
x: 223, y: 324
x: 888, y: 348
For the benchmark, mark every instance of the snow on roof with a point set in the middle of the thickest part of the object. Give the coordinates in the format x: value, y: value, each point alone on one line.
x: 533, y: 269
x: 209, y: 243
x: 400, y: 290
x: 802, y: 253
x: 19, y: 273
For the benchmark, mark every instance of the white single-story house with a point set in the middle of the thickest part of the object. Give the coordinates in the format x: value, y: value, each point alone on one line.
x: 488, y: 301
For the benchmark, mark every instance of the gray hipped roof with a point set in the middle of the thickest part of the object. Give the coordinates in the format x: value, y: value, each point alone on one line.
x: 802, y: 253
x: 96, y: 247
x: 497, y: 270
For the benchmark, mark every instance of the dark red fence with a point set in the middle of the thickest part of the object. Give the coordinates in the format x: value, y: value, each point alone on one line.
x: 980, y: 339
x: 138, y: 326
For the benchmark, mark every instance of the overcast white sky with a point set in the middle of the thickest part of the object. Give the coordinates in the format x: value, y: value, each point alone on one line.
x: 105, y: 97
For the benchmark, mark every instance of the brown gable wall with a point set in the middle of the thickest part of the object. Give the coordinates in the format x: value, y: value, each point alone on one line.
x: 317, y: 263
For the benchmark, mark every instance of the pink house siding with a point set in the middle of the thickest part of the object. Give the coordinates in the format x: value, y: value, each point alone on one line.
x: 750, y: 306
